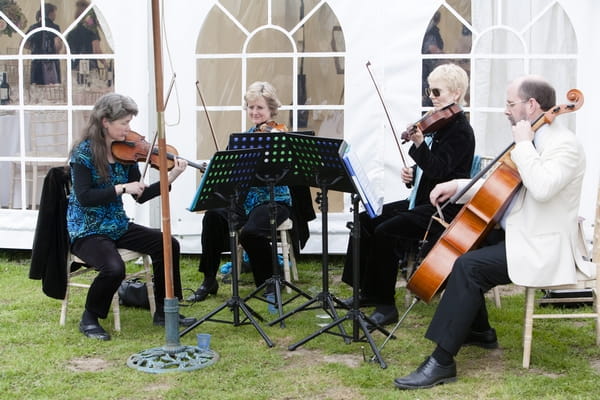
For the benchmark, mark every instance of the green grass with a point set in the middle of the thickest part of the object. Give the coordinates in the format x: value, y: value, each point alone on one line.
x: 42, y: 360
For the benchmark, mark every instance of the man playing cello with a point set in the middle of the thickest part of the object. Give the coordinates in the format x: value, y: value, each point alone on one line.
x: 535, y: 245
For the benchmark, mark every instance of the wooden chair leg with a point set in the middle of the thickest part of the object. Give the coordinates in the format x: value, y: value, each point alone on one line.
x: 149, y: 283
x: 285, y: 251
x: 63, y: 307
x: 496, y: 293
x: 116, y: 312
x: 528, y: 325
x: 293, y: 263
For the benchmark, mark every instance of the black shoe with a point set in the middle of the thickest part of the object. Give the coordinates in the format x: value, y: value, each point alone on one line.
x: 159, y: 320
x: 94, y: 331
x: 203, y: 291
x: 363, y: 301
x: 383, y: 316
x: 486, y: 339
x: 429, y: 374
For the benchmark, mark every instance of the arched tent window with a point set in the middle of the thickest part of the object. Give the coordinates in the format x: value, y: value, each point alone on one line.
x: 52, y: 88
x: 297, y: 45
x: 498, y: 41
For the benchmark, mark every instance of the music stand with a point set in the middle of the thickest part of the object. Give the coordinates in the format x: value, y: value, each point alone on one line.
x: 228, y: 174
x: 276, y: 168
x: 322, y: 163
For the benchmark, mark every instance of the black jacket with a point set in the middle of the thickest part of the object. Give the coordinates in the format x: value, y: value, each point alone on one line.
x: 51, y: 239
x: 450, y: 156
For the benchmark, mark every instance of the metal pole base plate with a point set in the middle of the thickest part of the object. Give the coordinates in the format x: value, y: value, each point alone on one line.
x: 160, y: 360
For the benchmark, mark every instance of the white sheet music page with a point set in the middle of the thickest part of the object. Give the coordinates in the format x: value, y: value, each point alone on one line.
x: 373, y: 204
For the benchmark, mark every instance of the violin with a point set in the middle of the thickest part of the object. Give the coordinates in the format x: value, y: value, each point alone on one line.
x: 135, y: 148
x: 271, y: 126
x: 432, y: 121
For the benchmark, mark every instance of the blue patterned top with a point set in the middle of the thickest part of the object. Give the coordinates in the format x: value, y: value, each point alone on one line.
x: 107, y: 219
x: 258, y: 195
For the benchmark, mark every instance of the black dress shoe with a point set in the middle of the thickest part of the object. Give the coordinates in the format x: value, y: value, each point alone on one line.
x: 383, y: 316
x: 159, y: 320
x: 363, y: 301
x: 486, y: 339
x: 429, y: 374
x: 94, y: 331
x: 203, y: 291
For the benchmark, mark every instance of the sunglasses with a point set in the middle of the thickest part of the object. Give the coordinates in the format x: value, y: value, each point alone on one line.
x: 435, y: 92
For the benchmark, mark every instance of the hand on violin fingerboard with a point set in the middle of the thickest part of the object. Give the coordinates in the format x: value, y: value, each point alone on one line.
x: 178, y: 168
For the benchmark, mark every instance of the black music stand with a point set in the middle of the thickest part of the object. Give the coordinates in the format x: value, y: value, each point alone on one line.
x: 229, y: 174
x: 312, y: 161
x: 326, y: 168
x: 276, y: 168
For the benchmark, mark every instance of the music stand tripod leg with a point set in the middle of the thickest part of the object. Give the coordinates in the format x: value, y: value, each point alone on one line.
x: 354, y: 314
x: 324, y: 298
x: 236, y: 303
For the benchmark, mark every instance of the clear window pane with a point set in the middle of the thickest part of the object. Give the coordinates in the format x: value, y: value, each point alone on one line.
x: 219, y: 82
x: 46, y: 134
x: 288, y: 14
x: 269, y: 41
x: 224, y: 123
x: 319, y: 32
x: 277, y: 71
x: 251, y: 16
x: 9, y: 73
x: 219, y: 35
x: 324, y: 82
x: 9, y: 133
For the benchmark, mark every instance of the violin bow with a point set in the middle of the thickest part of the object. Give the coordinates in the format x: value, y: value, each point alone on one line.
x: 212, y: 131
x: 150, y: 150
x: 387, y: 115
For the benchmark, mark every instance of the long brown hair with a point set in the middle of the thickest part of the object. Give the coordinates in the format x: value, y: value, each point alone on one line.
x: 112, y: 106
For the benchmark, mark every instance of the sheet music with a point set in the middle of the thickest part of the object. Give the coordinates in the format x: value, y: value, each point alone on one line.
x: 373, y: 204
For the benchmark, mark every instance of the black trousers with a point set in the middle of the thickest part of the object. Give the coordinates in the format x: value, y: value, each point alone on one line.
x: 101, y: 252
x: 385, y: 239
x: 255, y: 238
x: 367, y: 246
x: 462, y: 307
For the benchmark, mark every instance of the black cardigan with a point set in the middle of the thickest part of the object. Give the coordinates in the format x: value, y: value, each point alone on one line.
x: 51, y: 239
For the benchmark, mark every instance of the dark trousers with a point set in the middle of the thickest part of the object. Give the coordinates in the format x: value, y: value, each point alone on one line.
x: 367, y: 246
x: 101, y: 252
x: 254, y: 236
x: 462, y: 307
x: 385, y: 239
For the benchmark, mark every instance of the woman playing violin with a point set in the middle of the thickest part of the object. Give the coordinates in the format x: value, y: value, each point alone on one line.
x: 96, y: 220
x: 445, y: 154
x: 536, y: 245
x: 261, y: 104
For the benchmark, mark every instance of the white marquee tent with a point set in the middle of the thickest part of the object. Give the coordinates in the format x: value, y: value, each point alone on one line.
x: 507, y: 38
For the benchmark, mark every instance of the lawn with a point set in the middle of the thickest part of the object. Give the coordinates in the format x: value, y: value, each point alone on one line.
x: 42, y: 360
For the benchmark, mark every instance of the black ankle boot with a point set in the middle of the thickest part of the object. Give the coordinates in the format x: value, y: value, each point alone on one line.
x: 204, y: 290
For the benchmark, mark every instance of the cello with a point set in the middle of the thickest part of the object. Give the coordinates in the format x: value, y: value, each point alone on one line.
x: 479, y: 215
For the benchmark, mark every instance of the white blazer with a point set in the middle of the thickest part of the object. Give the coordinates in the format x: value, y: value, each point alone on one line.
x: 542, y: 236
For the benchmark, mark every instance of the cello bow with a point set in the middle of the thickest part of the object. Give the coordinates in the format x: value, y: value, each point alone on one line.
x: 479, y: 215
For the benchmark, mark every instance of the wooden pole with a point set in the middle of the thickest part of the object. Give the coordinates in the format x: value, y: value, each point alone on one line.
x: 162, y: 151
